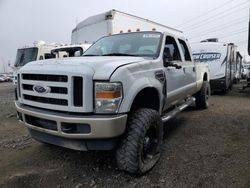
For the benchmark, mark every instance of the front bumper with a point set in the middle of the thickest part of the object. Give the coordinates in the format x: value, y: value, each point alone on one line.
x: 53, y: 123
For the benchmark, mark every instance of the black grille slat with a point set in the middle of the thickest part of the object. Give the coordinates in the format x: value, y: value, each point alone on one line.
x: 45, y: 77
x: 77, y: 91
x: 62, y: 102
x: 58, y: 90
x: 28, y: 87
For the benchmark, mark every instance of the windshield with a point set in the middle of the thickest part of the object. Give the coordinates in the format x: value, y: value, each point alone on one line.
x: 142, y: 44
x: 204, y: 57
x: 25, y: 55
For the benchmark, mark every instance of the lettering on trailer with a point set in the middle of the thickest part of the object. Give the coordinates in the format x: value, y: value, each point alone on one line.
x: 206, y: 56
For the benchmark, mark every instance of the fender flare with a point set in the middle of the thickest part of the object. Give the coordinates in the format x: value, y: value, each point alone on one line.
x: 136, y: 88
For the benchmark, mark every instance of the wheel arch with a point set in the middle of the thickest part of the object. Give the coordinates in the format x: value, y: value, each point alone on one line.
x: 148, y: 97
x: 144, y: 92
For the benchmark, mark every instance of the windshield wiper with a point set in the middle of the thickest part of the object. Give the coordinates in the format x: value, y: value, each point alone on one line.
x: 119, y: 54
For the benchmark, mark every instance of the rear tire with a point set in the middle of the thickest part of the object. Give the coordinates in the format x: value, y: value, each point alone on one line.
x: 140, y: 148
x: 201, y: 98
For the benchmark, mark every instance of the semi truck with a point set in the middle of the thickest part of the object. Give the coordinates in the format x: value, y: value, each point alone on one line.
x: 116, y: 96
x: 221, y: 59
x: 38, y: 51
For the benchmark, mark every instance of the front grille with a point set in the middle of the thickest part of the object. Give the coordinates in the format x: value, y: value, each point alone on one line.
x: 62, y: 102
x: 45, y: 77
x: 42, y: 123
x: 58, y: 90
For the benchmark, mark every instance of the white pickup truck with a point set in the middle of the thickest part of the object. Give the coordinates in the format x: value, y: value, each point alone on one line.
x: 117, y: 96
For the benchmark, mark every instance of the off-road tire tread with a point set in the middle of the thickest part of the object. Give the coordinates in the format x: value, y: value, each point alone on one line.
x: 127, y: 154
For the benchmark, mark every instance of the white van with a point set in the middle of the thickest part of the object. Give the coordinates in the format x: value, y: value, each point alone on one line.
x: 72, y: 50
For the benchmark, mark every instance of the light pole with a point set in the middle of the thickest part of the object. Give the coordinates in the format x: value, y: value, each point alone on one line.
x: 3, y: 63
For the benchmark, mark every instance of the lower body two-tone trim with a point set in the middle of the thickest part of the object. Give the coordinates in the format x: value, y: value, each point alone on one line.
x: 79, y: 132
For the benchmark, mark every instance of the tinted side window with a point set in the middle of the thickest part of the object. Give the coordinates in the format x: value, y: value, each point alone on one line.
x: 185, y: 50
x: 49, y: 56
x: 172, y: 49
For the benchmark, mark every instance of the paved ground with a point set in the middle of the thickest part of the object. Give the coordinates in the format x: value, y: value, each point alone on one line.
x: 209, y: 148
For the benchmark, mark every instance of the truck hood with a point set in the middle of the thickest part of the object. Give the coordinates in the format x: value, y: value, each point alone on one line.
x: 100, y: 68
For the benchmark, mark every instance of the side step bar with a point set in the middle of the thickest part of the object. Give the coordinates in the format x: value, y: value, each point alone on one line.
x: 178, y: 109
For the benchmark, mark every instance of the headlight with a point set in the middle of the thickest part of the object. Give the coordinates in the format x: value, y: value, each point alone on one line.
x: 108, y: 97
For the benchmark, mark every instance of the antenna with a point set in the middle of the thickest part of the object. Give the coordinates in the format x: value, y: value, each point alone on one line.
x: 249, y: 34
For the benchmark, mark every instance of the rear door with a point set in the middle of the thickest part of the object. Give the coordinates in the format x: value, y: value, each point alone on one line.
x: 188, y: 67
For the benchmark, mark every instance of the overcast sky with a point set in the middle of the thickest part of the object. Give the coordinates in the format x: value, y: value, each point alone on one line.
x: 24, y: 21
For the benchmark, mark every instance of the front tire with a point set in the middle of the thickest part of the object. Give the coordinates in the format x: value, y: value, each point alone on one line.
x: 201, y: 98
x: 140, y: 148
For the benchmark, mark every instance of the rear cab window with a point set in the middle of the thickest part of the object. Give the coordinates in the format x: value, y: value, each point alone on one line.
x: 185, y: 50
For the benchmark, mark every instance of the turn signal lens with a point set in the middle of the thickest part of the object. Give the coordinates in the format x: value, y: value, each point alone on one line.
x: 108, y: 95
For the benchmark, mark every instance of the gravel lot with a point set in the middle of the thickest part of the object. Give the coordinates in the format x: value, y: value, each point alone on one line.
x: 209, y: 148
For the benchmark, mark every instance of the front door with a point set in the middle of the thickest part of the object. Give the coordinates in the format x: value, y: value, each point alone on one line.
x: 175, y: 76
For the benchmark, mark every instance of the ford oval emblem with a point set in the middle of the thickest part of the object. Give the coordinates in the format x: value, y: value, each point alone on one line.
x: 41, y: 89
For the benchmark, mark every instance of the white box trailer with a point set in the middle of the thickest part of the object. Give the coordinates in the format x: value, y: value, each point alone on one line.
x: 113, y: 22
x: 221, y: 59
